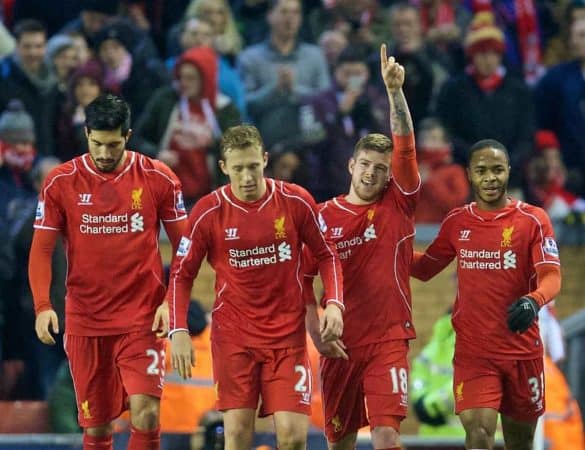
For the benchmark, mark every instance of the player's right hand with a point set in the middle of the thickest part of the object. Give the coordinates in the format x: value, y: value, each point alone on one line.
x: 45, y: 320
x: 334, y: 349
x: 392, y: 72
x: 182, y: 355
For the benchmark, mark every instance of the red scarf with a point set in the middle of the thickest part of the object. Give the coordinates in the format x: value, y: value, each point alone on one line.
x: 528, y: 35
x: 19, y: 159
x: 491, y: 82
x: 529, y: 40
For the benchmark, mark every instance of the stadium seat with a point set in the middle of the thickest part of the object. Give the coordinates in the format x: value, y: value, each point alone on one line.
x: 24, y: 417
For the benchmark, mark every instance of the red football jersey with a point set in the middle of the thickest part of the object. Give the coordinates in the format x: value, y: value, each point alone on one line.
x: 497, y: 252
x: 255, y: 250
x: 110, y: 223
x: 374, y: 243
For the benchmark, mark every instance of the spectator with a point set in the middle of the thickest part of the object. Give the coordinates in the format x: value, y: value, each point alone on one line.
x: 7, y: 42
x: 557, y: 49
x: 131, y: 77
x: 443, y: 23
x: 43, y: 361
x: 62, y: 403
x: 334, y: 119
x: 277, y: 73
x: 361, y: 21
x: 431, y: 383
x: 197, y: 32
x: 209, y: 432
x: 24, y: 75
x: 17, y: 154
x: 181, y: 124
x: 61, y: 58
x: 563, y: 427
x: 288, y: 166
x: 444, y: 184
x: 84, y: 53
x: 421, y: 61
x: 548, y: 185
x: 85, y: 85
x: 93, y: 16
x: 560, y: 96
x: 226, y: 37
x: 487, y: 100
x: 332, y: 43
x: 17, y: 149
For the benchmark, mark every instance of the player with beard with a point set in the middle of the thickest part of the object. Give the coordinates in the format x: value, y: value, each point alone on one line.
x: 507, y: 269
x: 373, y: 229
x: 108, y: 205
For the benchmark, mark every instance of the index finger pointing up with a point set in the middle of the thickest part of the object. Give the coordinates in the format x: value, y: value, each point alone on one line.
x: 383, y: 57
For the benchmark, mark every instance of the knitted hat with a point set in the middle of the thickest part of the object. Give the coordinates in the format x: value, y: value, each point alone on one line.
x: 57, y: 44
x: 546, y: 140
x: 483, y: 35
x: 16, y: 125
x: 119, y: 31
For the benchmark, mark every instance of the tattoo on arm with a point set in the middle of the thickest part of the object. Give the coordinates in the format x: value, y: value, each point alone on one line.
x: 400, y: 119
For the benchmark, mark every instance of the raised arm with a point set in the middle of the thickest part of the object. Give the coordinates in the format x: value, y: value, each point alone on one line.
x: 404, y: 167
x: 393, y: 75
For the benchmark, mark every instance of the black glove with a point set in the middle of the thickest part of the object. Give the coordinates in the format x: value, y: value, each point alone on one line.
x: 522, y: 313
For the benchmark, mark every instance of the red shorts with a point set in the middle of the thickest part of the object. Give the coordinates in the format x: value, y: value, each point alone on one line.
x: 108, y: 369
x: 371, y: 388
x: 282, y: 377
x: 513, y: 387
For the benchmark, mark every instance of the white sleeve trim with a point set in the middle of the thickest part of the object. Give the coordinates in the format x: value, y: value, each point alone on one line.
x: 175, y: 220
x: 335, y: 302
x: 177, y: 329
x: 42, y: 227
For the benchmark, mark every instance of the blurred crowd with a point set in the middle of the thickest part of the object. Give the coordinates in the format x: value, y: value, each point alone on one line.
x: 306, y: 74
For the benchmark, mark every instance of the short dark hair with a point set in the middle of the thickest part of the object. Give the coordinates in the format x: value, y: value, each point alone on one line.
x: 28, y: 26
x: 487, y: 143
x: 375, y: 142
x: 240, y: 137
x: 355, y: 53
x: 108, y: 112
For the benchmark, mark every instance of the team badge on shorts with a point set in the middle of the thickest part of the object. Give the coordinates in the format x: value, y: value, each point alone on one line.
x: 459, y: 392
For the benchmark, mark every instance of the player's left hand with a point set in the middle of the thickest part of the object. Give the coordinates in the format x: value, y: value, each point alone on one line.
x: 160, y: 323
x: 331, y: 323
x: 522, y: 313
x: 392, y: 72
x: 182, y: 354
